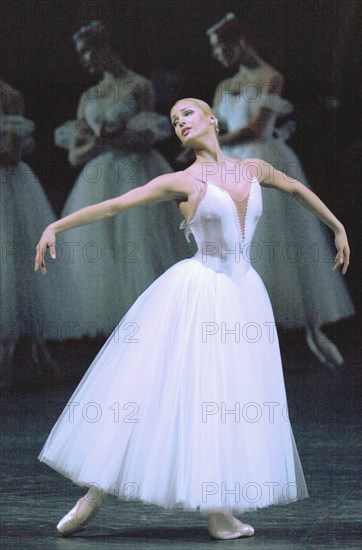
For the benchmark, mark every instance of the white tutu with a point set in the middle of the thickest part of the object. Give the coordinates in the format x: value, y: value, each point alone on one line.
x: 185, y: 404
x: 292, y: 250
x: 25, y: 211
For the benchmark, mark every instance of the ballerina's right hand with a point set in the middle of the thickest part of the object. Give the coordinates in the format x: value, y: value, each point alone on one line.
x: 47, y: 240
x: 343, y: 251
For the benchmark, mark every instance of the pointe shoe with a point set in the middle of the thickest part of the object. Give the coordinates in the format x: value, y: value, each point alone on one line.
x: 240, y: 530
x: 322, y: 347
x: 329, y: 349
x: 77, y: 520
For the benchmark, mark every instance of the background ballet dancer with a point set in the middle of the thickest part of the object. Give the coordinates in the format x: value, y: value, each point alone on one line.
x: 24, y: 210
x: 248, y: 106
x: 114, y: 137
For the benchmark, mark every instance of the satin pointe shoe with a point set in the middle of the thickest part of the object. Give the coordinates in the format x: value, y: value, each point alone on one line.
x: 237, y: 531
x: 322, y: 347
x: 78, y: 518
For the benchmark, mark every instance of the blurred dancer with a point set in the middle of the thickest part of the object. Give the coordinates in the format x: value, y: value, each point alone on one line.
x: 24, y: 210
x: 114, y: 138
x: 248, y: 105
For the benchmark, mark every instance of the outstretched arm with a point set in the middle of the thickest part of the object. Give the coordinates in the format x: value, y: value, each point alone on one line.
x: 270, y: 177
x: 162, y: 188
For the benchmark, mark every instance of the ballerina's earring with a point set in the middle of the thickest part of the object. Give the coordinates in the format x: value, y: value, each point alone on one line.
x: 216, y: 124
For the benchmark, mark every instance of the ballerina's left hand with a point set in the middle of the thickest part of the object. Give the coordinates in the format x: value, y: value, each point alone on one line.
x: 47, y: 240
x: 343, y: 251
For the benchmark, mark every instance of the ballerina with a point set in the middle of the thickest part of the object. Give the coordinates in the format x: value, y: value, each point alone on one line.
x: 248, y: 106
x: 113, y: 138
x: 183, y: 407
x: 25, y: 210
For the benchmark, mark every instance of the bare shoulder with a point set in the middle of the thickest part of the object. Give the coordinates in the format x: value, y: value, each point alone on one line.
x: 89, y: 95
x: 270, y: 71
x: 177, y: 184
x: 222, y: 88
x: 276, y: 83
x: 12, y: 99
x: 273, y: 79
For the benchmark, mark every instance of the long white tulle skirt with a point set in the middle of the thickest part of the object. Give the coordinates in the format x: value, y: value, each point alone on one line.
x: 293, y: 251
x: 185, y: 405
x: 31, y: 305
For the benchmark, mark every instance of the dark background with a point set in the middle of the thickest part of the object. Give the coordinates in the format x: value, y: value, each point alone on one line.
x: 315, y: 44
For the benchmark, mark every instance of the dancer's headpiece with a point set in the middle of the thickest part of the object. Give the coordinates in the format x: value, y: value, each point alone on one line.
x: 227, y: 21
x: 95, y: 31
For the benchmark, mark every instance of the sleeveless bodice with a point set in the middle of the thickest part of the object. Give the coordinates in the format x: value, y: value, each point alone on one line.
x: 111, y: 115
x: 239, y: 100
x: 223, y: 229
x: 114, y: 101
x: 238, y: 112
x: 19, y: 126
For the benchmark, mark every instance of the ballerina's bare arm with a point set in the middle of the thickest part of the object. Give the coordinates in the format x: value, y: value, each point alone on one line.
x: 268, y: 176
x: 162, y: 188
x: 84, y: 147
x: 83, y: 150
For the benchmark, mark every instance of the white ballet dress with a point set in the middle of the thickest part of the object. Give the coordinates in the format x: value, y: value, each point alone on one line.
x: 292, y: 250
x: 116, y: 259
x: 185, y: 405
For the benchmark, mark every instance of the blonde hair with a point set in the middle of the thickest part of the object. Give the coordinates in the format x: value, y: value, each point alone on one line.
x: 203, y: 106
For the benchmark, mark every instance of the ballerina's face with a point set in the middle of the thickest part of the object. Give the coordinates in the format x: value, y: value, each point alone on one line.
x: 190, y: 121
x: 89, y: 56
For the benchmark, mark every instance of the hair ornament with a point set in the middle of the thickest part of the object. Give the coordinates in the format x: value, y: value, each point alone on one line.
x: 95, y: 29
x: 228, y: 18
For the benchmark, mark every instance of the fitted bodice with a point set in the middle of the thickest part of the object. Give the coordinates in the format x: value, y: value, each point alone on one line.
x: 238, y: 100
x: 114, y: 101
x: 223, y: 229
x: 238, y: 112
x: 110, y: 115
x: 14, y: 125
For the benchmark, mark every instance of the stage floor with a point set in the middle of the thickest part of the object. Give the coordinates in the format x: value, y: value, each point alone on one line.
x: 325, y: 407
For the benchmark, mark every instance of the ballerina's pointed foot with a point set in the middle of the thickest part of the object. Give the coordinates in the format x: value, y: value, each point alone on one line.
x: 78, y: 518
x: 323, y: 348
x: 237, y: 530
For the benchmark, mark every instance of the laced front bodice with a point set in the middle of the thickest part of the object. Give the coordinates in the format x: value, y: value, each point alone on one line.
x: 223, y: 228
